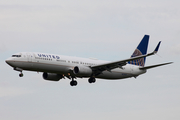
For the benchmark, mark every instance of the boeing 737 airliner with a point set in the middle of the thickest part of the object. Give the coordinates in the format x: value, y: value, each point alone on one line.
x: 56, y: 67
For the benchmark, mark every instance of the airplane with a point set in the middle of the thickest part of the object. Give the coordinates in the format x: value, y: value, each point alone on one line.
x: 56, y: 67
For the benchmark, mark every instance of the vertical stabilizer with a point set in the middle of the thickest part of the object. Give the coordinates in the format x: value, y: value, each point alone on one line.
x: 140, y: 50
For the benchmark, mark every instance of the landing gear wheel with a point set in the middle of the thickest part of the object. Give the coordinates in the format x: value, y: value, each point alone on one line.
x: 91, y: 80
x: 73, y: 83
x: 21, y: 75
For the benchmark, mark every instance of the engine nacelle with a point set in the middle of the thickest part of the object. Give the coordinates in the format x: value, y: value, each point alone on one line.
x: 82, y: 71
x: 52, y: 76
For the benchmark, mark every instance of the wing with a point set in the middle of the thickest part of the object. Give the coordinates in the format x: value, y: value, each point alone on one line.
x: 97, y: 69
x: 111, y: 65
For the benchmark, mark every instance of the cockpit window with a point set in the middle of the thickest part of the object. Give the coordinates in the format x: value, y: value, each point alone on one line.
x: 16, y: 55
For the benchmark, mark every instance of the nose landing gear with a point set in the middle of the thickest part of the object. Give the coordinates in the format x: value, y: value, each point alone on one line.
x: 20, y: 70
x: 21, y: 74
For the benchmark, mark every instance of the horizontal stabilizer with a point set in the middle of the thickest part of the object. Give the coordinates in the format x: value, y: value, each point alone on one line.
x: 153, y: 66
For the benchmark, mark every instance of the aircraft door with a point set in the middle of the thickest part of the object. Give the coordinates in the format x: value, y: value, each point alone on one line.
x: 29, y: 57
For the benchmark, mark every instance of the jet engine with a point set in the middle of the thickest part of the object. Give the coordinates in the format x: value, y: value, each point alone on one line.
x: 82, y: 71
x: 52, y: 76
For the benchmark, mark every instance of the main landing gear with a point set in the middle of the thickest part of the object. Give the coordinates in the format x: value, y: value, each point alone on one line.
x: 73, y: 82
x: 91, y: 80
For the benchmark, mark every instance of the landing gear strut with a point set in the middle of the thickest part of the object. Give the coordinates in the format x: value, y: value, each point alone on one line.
x: 20, y: 70
x: 73, y: 82
x: 91, y: 80
x: 21, y: 74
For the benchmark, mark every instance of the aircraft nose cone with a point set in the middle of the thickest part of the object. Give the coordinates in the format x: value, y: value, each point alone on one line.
x: 8, y: 61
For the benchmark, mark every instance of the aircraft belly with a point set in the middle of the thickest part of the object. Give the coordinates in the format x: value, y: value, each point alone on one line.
x: 114, y: 75
x: 21, y: 64
x: 44, y: 67
x: 52, y: 68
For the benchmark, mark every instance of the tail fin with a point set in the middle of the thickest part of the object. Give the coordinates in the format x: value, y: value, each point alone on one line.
x: 140, y: 50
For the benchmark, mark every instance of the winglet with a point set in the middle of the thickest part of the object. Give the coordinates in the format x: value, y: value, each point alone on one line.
x: 157, y: 47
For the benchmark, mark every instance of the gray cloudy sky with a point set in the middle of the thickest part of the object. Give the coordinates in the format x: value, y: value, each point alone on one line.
x: 103, y: 29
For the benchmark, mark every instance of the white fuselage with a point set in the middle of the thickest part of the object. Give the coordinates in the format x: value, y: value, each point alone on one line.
x: 50, y: 63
